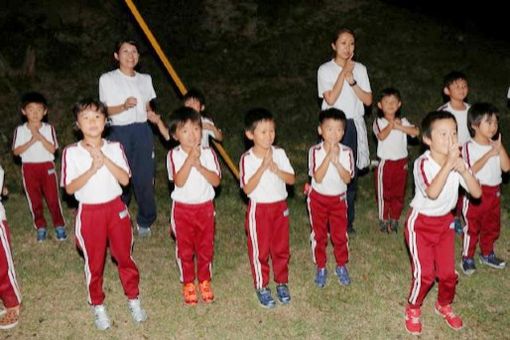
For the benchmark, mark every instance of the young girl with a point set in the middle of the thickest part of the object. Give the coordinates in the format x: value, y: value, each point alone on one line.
x: 391, y: 173
x: 343, y: 84
x: 94, y: 170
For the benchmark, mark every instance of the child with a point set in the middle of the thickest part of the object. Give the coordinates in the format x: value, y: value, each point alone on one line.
x: 195, y: 171
x: 331, y: 166
x: 264, y: 171
x: 487, y: 158
x: 94, y: 170
x: 36, y: 142
x: 429, y: 232
x: 9, y: 289
x: 391, y: 174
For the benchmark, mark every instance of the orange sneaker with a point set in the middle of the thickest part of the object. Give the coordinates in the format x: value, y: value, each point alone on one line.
x: 9, y: 318
x: 190, y: 296
x: 206, y: 291
x: 413, y: 323
x: 452, y: 320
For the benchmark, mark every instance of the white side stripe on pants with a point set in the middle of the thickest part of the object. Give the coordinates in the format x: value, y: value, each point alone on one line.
x: 10, y: 264
x: 252, y: 229
x: 380, y: 191
x: 81, y: 242
x: 413, y: 249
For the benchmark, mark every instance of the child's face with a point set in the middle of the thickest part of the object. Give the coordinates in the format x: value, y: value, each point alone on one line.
x: 91, y: 123
x: 458, y: 90
x: 127, y: 56
x: 331, y: 130
x: 344, y: 46
x: 443, y: 135
x: 264, y: 134
x: 34, y: 112
x: 189, y: 134
x: 389, y: 105
x: 195, y: 104
x: 488, y: 127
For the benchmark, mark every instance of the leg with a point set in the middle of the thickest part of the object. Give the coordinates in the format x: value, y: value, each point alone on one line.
x: 32, y: 184
x: 351, y: 140
x: 184, y: 231
x: 491, y: 227
x: 379, y: 189
x: 9, y: 289
x: 51, y: 193
x: 279, y: 243
x: 319, y: 229
x: 338, y: 232
x: 257, y: 232
x: 205, y: 242
x: 444, y: 254
x: 471, y: 230
x: 399, y: 189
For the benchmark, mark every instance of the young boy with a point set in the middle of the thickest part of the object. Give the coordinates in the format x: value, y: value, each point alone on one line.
x: 36, y: 142
x: 487, y: 159
x: 331, y: 166
x: 264, y: 172
x: 94, y: 170
x: 429, y: 227
x: 9, y: 289
x: 195, y: 171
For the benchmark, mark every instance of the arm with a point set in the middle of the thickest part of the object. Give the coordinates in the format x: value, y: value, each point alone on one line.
x: 504, y: 159
x: 319, y: 174
x: 23, y: 147
x: 287, y: 177
x: 384, y: 133
x: 50, y: 147
x: 410, y: 130
x: 211, y: 176
x: 181, y: 176
x: 471, y: 182
x: 156, y: 119
x: 332, y: 95
x: 121, y: 175
x: 364, y: 96
x: 217, y: 134
x: 115, y: 110
x: 255, y: 179
x: 438, y: 182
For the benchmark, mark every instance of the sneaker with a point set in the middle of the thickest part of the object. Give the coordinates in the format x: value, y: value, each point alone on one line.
x: 189, y: 293
x: 102, y: 320
x: 453, y: 320
x: 60, y: 233
x: 343, y: 275
x: 458, y: 226
x: 468, y: 265
x: 137, y: 312
x: 9, y: 318
x: 492, y: 261
x: 351, y: 231
x: 265, y: 298
x: 320, y: 277
x: 206, y: 291
x: 393, y: 226
x: 143, y: 231
x: 413, y: 322
x: 282, y: 291
x: 41, y: 234
x: 383, y: 226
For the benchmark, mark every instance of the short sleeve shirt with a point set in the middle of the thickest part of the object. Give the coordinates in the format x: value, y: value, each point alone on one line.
x: 36, y: 153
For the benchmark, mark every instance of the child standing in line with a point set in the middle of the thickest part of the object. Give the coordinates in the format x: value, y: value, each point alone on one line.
x: 264, y: 171
x: 331, y: 166
x: 487, y: 159
x: 391, y: 174
x: 94, y: 170
x: 9, y: 289
x: 429, y: 230
x: 195, y: 171
x: 36, y: 142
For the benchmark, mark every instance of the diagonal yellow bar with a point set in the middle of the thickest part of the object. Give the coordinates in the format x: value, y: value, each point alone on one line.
x: 143, y: 25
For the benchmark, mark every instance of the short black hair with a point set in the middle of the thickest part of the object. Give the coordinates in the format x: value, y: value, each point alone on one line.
x: 194, y: 93
x: 33, y: 97
x: 181, y: 116
x: 452, y: 77
x: 89, y: 103
x: 477, y: 112
x: 388, y: 92
x: 119, y: 43
x: 431, y: 117
x: 332, y: 113
x: 255, y: 116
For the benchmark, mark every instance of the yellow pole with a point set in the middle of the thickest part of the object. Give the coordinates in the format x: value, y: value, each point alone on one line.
x: 175, y: 77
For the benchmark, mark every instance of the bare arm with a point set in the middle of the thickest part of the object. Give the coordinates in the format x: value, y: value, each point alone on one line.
x: 50, y: 147
x: 129, y: 103
x: 364, y: 96
x: 182, y: 175
x: 384, y: 133
x: 23, y: 147
x: 332, y: 95
x: 120, y: 174
x: 217, y: 134
x: 156, y: 119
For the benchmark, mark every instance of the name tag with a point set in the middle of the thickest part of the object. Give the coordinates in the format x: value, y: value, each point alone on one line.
x: 51, y: 171
x: 286, y: 212
x: 123, y: 213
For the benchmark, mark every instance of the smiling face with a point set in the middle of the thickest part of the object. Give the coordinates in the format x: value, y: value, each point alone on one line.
x: 457, y: 90
x: 389, y: 105
x: 91, y: 123
x: 188, y: 134
x: 487, y: 128
x: 331, y: 130
x: 263, y: 135
x: 34, y: 112
x: 127, y: 56
x: 443, y: 134
x: 344, y: 46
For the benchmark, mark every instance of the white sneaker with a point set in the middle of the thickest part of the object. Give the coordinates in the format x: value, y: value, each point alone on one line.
x: 102, y: 320
x: 138, y: 314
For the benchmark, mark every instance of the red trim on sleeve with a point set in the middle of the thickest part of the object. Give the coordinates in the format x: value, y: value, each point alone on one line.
x: 14, y: 138
x: 216, y: 162
x: 243, y: 182
x: 466, y: 153
x: 54, y: 136
x: 171, y: 163
x: 422, y: 171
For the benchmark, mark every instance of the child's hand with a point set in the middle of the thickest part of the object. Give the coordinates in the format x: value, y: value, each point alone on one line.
x: 459, y: 166
x: 397, y: 124
x: 5, y: 191
x: 153, y: 117
x: 334, y: 153
x: 195, y: 156
x: 36, y: 135
x: 453, y: 152
x: 129, y: 103
x: 268, y: 159
x: 97, y: 157
x: 496, y: 146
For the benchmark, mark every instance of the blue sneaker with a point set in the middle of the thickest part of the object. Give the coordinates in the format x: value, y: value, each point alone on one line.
x: 458, y: 226
x: 265, y: 298
x: 492, y: 261
x: 320, y: 277
x: 41, y: 234
x: 282, y: 291
x: 60, y: 233
x: 343, y: 275
x: 468, y: 265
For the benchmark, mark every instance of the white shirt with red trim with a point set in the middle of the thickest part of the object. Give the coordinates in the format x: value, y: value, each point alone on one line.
x: 2, y: 210
x: 394, y: 146
x: 206, y: 133
x: 425, y: 169
x: 270, y: 188
x: 196, y: 189
x: 332, y: 184
x: 36, y: 153
x: 461, y: 117
x: 115, y: 87
x: 102, y: 187
x: 490, y: 173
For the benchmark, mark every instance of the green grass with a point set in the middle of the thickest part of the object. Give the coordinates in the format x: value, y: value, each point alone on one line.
x: 245, y: 55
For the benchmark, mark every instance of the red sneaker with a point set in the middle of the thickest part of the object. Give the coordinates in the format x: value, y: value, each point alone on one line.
x: 189, y: 293
x: 453, y: 320
x: 413, y: 323
x: 206, y: 291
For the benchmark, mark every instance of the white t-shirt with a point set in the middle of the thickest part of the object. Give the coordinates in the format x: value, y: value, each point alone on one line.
x: 425, y: 169
x: 271, y: 188
x: 2, y: 210
x: 490, y: 173
x: 394, y: 146
x: 102, y: 187
x: 461, y: 118
x: 36, y: 153
x: 196, y: 189
x: 115, y: 87
x: 206, y: 133
x: 332, y: 184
